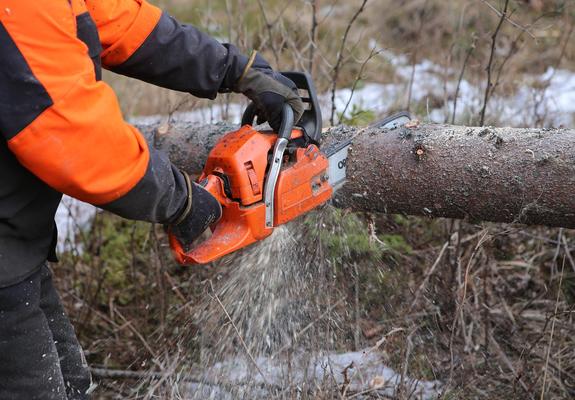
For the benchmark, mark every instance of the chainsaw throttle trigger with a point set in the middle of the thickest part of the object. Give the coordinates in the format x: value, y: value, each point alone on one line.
x: 215, y: 184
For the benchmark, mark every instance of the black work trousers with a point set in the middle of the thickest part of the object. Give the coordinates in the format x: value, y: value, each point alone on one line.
x: 40, y: 357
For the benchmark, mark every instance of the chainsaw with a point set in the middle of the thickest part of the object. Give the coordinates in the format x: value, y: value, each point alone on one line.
x: 264, y: 179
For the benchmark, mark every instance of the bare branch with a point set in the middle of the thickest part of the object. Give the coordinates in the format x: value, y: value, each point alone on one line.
x: 508, y: 19
x: 358, y: 78
x: 340, y: 55
x: 313, y: 34
x: 460, y: 79
x: 490, y: 63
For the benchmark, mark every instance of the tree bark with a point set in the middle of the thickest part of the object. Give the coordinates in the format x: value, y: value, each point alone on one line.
x: 480, y: 174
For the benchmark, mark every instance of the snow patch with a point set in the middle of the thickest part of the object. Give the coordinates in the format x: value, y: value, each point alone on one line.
x: 524, y: 108
x: 72, y: 217
x: 361, y: 372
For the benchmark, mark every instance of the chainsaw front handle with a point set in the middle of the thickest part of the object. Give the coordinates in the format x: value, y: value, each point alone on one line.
x: 286, y: 126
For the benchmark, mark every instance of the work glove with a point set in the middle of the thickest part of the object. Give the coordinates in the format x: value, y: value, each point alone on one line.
x: 201, y: 210
x: 269, y: 90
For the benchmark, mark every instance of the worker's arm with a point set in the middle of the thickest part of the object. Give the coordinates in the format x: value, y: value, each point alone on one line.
x: 66, y: 127
x: 141, y: 41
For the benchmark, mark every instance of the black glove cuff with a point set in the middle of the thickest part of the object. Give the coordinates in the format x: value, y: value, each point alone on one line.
x: 188, y: 206
x: 249, y: 64
x: 236, y: 65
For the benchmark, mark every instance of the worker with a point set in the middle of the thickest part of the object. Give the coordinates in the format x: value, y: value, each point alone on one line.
x: 61, y: 131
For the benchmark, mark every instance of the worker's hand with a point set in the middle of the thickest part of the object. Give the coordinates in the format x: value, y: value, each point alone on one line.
x: 201, y: 211
x: 269, y: 90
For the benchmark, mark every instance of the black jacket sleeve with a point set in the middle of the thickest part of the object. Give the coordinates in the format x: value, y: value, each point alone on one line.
x: 180, y: 57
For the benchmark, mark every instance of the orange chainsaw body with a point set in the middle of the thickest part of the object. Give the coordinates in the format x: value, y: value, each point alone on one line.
x: 236, y: 172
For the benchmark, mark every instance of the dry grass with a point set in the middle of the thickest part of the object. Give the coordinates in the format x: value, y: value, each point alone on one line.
x: 488, y: 309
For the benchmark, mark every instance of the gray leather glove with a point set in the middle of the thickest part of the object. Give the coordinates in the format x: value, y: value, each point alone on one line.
x: 269, y: 90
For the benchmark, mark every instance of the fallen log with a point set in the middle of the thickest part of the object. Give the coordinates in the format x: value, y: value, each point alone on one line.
x: 480, y: 174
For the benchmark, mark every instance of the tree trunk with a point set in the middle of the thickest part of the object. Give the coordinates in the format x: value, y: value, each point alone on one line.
x: 480, y: 174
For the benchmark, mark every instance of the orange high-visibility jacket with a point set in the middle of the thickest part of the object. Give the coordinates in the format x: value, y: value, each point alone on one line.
x: 61, y: 129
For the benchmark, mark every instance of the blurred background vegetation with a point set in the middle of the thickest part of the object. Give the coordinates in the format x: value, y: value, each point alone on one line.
x: 307, y: 34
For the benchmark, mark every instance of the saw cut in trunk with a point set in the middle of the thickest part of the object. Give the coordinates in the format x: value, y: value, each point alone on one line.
x: 480, y: 174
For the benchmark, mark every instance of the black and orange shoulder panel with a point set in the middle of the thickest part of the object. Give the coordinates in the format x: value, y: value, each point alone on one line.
x: 22, y: 96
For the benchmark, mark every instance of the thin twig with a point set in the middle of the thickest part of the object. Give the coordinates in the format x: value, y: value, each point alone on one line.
x: 313, y: 34
x: 557, y: 250
x: 508, y: 19
x: 357, y: 307
x: 138, y: 334
x: 178, y: 293
x: 568, y: 253
x: 552, y: 330
x: 482, y: 239
x: 358, y: 78
x: 269, y: 27
x: 252, y: 359
x: 461, y: 74
x: 308, y: 327
x: 106, y: 373
x: 548, y: 81
x: 408, y: 349
x: 340, y: 55
x: 513, y: 49
x: 491, y: 58
x: 505, y: 359
x: 427, y: 276
x: 422, y: 11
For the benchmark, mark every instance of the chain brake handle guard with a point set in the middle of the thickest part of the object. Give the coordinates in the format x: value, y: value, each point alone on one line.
x: 311, y: 119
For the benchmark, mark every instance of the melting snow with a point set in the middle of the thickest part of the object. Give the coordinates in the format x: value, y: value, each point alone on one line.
x: 71, y: 217
x: 361, y: 372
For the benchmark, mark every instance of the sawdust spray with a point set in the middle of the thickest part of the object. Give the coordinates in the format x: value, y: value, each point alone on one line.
x: 269, y: 299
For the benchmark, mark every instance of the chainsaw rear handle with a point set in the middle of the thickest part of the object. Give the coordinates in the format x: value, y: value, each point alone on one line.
x: 286, y: 126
